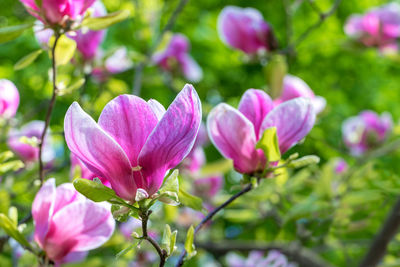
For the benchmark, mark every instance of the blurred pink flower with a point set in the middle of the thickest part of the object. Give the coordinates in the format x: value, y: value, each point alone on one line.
x: 208, y: 187
x: 27, y: 152
x: 257, y: 258
x: 340, y: 166
x: 119, y: 61
x: 294, y: 87
x: 235, y: 132
x: 9, y: 99
x: 176, y: 55
x: 135, y: 142
x: 245, y: 29
x: 67, y: 225
x: 379, y: 27
x: 366, y: 131
x: 52, y: 12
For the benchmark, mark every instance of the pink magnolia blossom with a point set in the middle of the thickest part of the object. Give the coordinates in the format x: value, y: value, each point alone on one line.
x: 245, y: 29
x: 78, y: 166
x: 27, y: 152
x: 379, y: 27
x: 67, y: 225
x: 9, y: 99
x: 235, y: 132
x: 366, y: 131
x: 257, y: 258
x: 119, y: 61
x: 340, y: 166
x: 135, y: 142
x: 208, y: 187
x: 177, y: 55
x: 294, y: 87
x: 52, y: 12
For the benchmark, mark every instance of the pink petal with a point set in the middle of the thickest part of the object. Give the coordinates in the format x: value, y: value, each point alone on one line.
x: 255, y: 105
x: 293, y: 120
x: 157, y: 108
x: 172, y: 139
x: 65, y: 194
x: 42, y: 210
x: 234, y: 137
x: 191, y: 70
x: 99, y: 151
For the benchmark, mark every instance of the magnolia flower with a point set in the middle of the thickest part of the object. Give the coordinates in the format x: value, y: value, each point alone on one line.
x: 79, y: 168
x: 9, y: 99
x: 53, y: 12
x: 379, y: 27
x: 208, y: 187
x: 340, y: 166
x: 29, y: 152
x: 235, y: 133
x: 176, y: 55
x: 366, y: 131
x: 67, y: 225
x: 119, y: 61
x: 135, y: 142
x: 294, y: 87
x: 257, y: 258
x: 245, y: 29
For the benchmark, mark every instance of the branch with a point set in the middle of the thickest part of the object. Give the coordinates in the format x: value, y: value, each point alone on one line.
x: 301, y: 255
x: 379, y: 245
x: 211, y: 215
x: 137, y: 81
x: 49, y: 110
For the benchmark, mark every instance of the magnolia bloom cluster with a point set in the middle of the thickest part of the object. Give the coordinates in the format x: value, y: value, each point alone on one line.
x: 9, y: 99
x: 379, y: 27
x: 366, y: 131
x: 135, y: 142
x: 67, y: 225
x: 294, y: 87
x: 57, y: 12
x: 176, y: 57
x: 257, y: 258
x: 246, y: 30
x: 235, y: 132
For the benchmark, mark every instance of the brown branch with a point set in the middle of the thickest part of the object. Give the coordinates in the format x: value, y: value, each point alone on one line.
x: 50, y: 109
x: 211, y: 215
x: 302, y: 256
x: 137, y: 81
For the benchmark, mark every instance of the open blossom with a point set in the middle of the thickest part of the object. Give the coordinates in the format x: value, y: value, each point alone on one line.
x: 176, y: 55
x: 52, y: 12
x: 379, y: 27
x: 366, y: 131
x: 135, y: 142
x: 295, y: 87
x: 257, y: 258
x: 67, y: 225
x: 27, y: 152
x: 9, y: 98
x: 245, y: 29
x: 78, y: 167
x: 235, y: 132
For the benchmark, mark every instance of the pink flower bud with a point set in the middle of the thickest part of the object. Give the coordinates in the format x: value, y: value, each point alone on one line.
x: 9, y: 99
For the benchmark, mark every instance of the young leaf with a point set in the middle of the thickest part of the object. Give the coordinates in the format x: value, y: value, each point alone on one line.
x: 269, y: 144
x: 13, y: 165
x: 191, y: 201
x: 72, y: 87
x: 166, y: 239
x: 11, y: 229
x: 65, y: 49
x: 126, y: 250
x: 304, y: 161
x: 13, y: 215
x: 27, y: 60
x: 170, y: 189
x: 93, y: 190
x: 189, y: 246
x: 6, y: 156
x: 100, y: 23
x: 12, y: 32
x: 275, y: 71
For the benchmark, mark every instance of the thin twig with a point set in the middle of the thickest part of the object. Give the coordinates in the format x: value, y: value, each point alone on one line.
x: 212, y: 214
x: 137, y: 81
x: 49, y: 110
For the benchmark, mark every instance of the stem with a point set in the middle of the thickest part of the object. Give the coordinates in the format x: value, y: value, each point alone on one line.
x: 137, y: 81
x: 211, y: 215
x: 378, y: 247
x: 162, y: 253
x: 49, y: 110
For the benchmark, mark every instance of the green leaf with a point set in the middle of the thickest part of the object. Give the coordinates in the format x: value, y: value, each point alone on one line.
x: 169, y: 239
x: 275, y: 71
x: 93, y: 190
x: 189, y: 246
x: 73, y: 86
x: 100, y: 23
x: 13, y: 215
x: 304, y: 161
x: 191, y: 201
x: 12, y: 32
x: 27, y: 60
x: 13, y: 165
x: 170, y: 189
x: 269, y: 144
x: 125, y: 250
x: 65, y: 49
x: 4, y: 201
x: 11, y: 229
x: 5, y: 156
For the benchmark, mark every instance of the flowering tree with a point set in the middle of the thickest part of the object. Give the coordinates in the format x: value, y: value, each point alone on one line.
x: 129, y: 135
